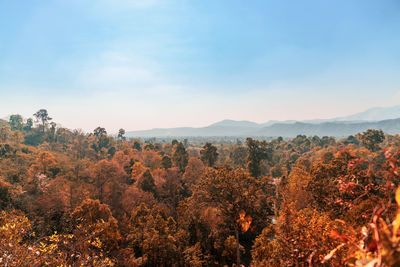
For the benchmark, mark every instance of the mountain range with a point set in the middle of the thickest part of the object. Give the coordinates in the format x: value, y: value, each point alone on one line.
x: 385, y: 118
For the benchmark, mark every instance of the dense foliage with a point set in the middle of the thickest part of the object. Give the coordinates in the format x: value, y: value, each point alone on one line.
x: 68, y: 198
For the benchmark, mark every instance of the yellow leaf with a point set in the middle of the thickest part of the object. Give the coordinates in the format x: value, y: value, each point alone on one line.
x: 398, y: 196
x: 332, y: 253
x: 242, y: 213
x: 396, y: 225
x: 244, y: 221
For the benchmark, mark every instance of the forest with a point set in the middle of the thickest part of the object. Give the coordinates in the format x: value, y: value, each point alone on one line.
x: 70, y: 198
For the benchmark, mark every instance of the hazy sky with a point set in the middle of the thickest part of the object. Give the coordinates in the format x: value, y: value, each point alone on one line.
x: 141, y: 64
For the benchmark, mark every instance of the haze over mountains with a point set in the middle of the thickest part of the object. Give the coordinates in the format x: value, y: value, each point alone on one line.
x: 385, y: 118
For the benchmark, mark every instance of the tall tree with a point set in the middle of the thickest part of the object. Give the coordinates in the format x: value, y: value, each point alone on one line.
x: 166, y: 162
x: 180, y: 157
x: 258, y: 151
x: 239, y: 156
x: 102, y: 141
x: 121, y: 134
x: 43, y: 117
x: 99, y: 131
x: 28, y: 125
x: 209, y: 154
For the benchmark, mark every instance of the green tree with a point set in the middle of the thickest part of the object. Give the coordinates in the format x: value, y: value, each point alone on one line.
x: 52, y: 132
x: 258, y: 151
x: 209, y: 154
x: 43, y: 117
x: 16, y: 122
x: 99, y: 131
x: 180, y: 157
x: 102, y: 140
x: 239, y: 156
x: 372, y: 138
x: 137, y: 146
x: 166, y: 162
x: 146, y: 182
x: 121, y: 134
x: 28, y: 125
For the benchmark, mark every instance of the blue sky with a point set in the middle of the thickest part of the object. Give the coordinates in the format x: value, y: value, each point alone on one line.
x: 167, y: 63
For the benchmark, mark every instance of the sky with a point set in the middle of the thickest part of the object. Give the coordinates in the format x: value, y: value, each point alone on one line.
x: 141, y: 64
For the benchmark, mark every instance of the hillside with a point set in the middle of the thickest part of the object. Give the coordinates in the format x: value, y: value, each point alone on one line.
x: 384, y: 118
x: 336, y: 129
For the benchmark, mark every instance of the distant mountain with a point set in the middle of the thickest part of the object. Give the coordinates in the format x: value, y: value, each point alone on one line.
x: 232, y: 123
x: 374, y: 114
x: 337, y: 129
x: 215, y: 130
x: 385, y: 118
x: 272, y: 122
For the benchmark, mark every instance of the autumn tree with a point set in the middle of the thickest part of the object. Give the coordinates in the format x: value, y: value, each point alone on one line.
x: 237, y: 196
x: 194, y: 256
x: 14, y: 229
x: 136, y: 170
x: 95, y: 229
x: 4, y: 194
x: 104, y: 173
x: 209, y: 154
x: 43, y: 164
x: 152, y: 237
x: 193, y: 172
x: 380, y: 239
x: 151, y: 159
x: 335, y: 185
x: 172, y: 189
x: 296, y: 239
x: 5, y: 133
